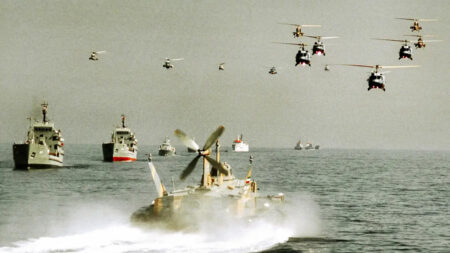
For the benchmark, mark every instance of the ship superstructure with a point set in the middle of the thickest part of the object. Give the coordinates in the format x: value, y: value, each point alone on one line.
x: 123, y: 145
x: 43, y: 147
x: 165, y: 149
x: 239, y: 145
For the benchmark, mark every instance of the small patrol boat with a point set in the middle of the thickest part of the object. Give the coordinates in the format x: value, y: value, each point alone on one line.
x: 239, y: 145
x: 219, y: 192
x: 165, y: 149
x: 123, y: 146
x: 43, y: 147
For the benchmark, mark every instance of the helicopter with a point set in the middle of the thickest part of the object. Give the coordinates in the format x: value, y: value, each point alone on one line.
x: 420, y: 42
x: 94, y: 56
x: 416, y: 27
x: 303, y: 57
x: 298, y: 29
x: 273, y: 71
x: 376, y: 79
x: 168, y: 65
x: 218, y: 188
x: 318, y: 47
x: 405, y: 51
x: 222, y: 66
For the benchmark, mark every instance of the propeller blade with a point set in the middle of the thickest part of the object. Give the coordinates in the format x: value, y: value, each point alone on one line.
x: 190, y: 167
x: 217, y: 165
x: 213, y: 137
x: 186, y: 140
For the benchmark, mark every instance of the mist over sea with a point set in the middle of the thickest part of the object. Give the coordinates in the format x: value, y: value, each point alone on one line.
x: 336, y: 201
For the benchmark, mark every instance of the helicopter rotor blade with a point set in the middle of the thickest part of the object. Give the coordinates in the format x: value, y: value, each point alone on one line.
x: 100, y: 52
x: 311, y: 25
x: 432, y: 41
x: 399, y: 67
x: 186, y: 140
x: 427, y: 19
x: 191, y: 166
x: 289, y: 24
x: 213, y: 137
x: 295, y: 44
x: 420, y: 36
x: 412, y: 19
x: 356, y: 65
x: 329, y: 37
x: 403, y: 41
x: 178, y: 59
x: 217, y: 165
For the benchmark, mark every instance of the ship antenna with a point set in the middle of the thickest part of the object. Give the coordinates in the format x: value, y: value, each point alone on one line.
x: 123, y: 120
x: 218, y: 150
x: 44, y: 111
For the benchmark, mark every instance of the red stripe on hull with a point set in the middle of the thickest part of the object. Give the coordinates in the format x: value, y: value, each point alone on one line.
x: 124, y: 159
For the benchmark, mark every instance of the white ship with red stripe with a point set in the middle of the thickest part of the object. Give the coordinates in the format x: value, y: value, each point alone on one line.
x: 123, y: 146
x: 239, y: 145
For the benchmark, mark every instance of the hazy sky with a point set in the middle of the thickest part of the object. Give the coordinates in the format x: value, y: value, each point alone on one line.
x: 45, y: 45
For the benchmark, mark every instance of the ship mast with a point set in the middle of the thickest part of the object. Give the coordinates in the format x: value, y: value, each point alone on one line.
x: 123, y: 120
x: 44, y: 111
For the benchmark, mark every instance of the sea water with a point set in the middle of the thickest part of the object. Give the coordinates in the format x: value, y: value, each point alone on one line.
x: 336, y: 201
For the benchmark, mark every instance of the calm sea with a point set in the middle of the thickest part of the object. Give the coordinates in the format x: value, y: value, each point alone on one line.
x: 336, y: 201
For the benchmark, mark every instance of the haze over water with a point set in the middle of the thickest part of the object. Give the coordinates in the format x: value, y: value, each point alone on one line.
x: 337, y: 201
x: 45, y: 49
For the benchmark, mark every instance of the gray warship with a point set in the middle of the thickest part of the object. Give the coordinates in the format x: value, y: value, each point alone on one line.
x: 165, y: 149
x: 123, y: 146
x: 43, y: 147
x: 219, y: 192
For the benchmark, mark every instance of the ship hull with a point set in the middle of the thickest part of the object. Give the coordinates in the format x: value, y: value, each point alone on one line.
x: 28, y: 157
x: 163, y: 152
x: 118, y: 153
x: 240, y: 147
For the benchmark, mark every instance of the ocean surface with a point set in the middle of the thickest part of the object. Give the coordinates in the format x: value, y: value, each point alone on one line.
x: 336, y: 201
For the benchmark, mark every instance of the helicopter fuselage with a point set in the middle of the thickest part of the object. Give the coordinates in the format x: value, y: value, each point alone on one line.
x: 168, y: 65
x: 405, y: 52
x: 303, y: 58
x: 376, y: 81
x: 318, y: 49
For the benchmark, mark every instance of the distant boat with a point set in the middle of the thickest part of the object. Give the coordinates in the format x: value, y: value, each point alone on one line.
x: 239, y: 145
x: 307, y: 146
x: 43, y: 147
x: 165, y: 149
x: 123, y: 145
